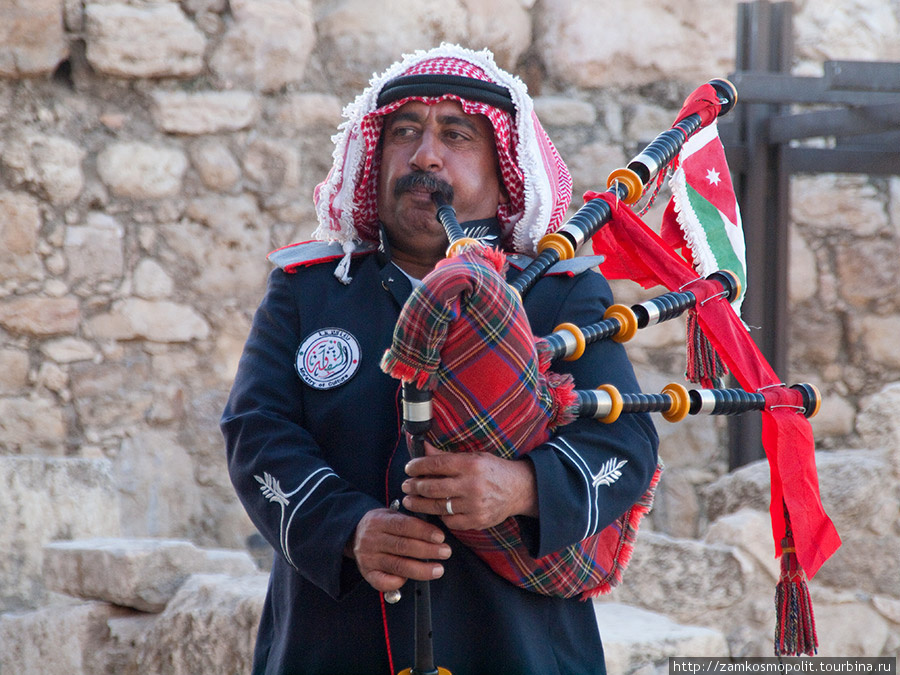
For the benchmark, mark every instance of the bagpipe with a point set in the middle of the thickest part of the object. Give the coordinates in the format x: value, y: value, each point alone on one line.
x: 475, y: 378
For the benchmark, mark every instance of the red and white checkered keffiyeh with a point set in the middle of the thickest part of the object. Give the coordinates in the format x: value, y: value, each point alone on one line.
x: 537, y: 180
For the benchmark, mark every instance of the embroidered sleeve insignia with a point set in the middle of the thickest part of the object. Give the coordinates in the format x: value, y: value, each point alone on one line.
x: 610, y: 472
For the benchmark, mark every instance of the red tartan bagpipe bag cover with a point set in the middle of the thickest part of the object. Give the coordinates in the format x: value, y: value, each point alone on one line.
x: 464, y: 335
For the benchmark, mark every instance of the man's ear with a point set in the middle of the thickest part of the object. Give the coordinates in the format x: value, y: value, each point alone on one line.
x: 504, y: 195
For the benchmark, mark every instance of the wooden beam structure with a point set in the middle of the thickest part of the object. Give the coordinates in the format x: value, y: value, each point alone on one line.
x: 852, y: 116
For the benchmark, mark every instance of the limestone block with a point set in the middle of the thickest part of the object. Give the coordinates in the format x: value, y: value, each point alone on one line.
x: 31, y: 32
x: 855, y: 486
x: 894, y: 202
x: 307, y: 109
x: 32, y: 424
x: 151, y: 281
x: 837, y: 203
x: 634, y: 637
x: 683, y: 578
x: 208, y: 627
x: 111, y: 395
x: 142, y: 171
x: 125, y: 634
x: 62, y: 640
x: 747, y: 487
x: 202, y: 6
x: 271, y: 165
x: 879, y: 340
x: 13, y: 370
x: 584, y: 45
x: 152, y: 40
x: 889, y: 608
x: 591, y: 164
x: 359, y: 37
x: 803, y: 279
x: 20, y: 222
x: 507, y: 39
x: 865, y: 274
x: 866, y: 562
x: 643, y: 121
x: 836, y: 29
x: 94, y: 250
x: 51, y: 163
x: 73, y: 15
x: 878, y: 422
x: 828, y: 327
x: 228, y: 243
x: 159, y: 495
x: 675, y: 507
x: 849, y: 629
x: 40, y: 317
x: 751, y: 531
x: 68, y: 350
x: 267, y: 46
x: 561, y: 111
x: 216, y: 166
x: 142, y: 574
x: 836, y: 417
x: 208, y: 112
x: 50, y: 376
x: 44, y: 499
x: 154, y: 320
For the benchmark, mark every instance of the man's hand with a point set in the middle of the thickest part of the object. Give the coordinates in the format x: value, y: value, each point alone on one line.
x: 391, y: 547
x: 483, y: 490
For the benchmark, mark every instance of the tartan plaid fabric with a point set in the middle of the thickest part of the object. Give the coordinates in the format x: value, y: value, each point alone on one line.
x: 462, y: 323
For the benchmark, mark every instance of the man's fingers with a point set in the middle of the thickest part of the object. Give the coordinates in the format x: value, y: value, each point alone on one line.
x: 404, y: 547
x: 393, y: 572
x: 388, y: 522
x: 439, y: 463
x: 431, y: 488
x: 391, y: 547
x: 388, y: 573
x: 381, y: 581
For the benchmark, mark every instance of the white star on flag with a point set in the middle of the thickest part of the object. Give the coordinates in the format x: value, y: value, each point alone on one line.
x: 704, y: 212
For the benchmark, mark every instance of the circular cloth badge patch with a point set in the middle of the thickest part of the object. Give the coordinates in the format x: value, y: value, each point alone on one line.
x: 327, y: 358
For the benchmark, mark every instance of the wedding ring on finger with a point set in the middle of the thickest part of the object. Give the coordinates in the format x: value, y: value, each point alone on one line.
x: 449, y: 507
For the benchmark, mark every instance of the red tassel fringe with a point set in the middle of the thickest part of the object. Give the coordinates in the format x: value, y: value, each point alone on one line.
x: 795, y: 624
x: 404, y: 372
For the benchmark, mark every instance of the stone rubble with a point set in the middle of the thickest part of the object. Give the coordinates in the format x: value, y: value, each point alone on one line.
x: 153, y: 151
x: 143, y: 574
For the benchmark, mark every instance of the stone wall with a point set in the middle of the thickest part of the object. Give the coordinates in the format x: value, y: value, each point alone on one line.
x: 153, y: 151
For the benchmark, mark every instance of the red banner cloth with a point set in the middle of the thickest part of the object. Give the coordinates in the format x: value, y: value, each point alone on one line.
x: 634, y: 251
x: 704, y: 101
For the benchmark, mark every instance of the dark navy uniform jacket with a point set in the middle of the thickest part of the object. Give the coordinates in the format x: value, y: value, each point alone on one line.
x: 308, y: 459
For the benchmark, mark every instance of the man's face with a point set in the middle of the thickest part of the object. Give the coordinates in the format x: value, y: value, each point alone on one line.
x: 453, y: 147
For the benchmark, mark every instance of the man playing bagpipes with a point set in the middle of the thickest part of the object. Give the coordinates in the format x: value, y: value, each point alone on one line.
x: 313, y: 425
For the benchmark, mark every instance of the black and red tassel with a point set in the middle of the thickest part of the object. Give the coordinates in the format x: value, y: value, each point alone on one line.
x: 704, y: 365
x: 795, y: 624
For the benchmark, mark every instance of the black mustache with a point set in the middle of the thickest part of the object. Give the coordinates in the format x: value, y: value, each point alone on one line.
x: 424, y: 180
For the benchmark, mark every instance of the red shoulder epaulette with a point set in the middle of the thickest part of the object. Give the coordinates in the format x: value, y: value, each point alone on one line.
x: 306, y: 253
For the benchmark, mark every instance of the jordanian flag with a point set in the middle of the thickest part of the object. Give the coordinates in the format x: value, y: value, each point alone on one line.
x: 703, y: 213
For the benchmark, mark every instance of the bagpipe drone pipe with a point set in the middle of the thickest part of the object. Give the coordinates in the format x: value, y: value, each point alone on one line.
x: 434, y: 338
